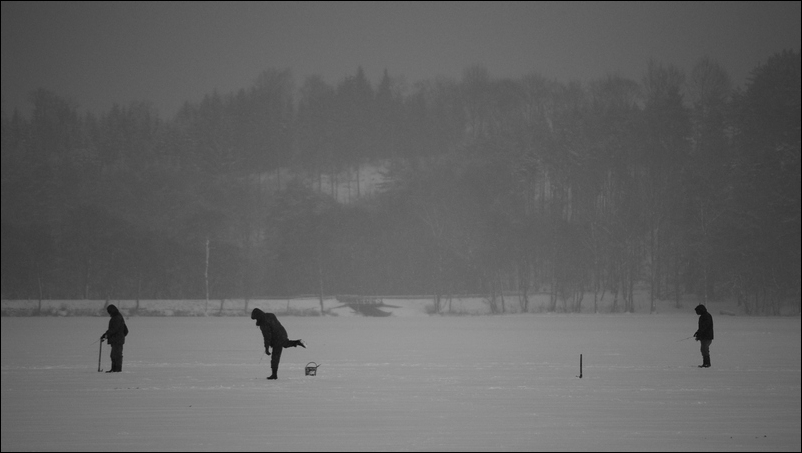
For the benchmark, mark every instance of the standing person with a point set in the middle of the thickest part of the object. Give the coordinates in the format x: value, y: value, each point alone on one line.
x: 704, y: 334
x: 115, y: 336
x: 275, y: 337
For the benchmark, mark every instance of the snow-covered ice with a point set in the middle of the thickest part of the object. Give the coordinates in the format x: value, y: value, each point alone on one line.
x: 405, y: 383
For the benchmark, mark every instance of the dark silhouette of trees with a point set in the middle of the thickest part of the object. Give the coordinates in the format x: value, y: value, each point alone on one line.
x: 674, y: 184
x: 762, y: 252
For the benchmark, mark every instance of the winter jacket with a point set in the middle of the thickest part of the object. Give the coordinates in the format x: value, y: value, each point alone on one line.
x: 117, y: 331
x: 272, y: 330
x: 705, y: 331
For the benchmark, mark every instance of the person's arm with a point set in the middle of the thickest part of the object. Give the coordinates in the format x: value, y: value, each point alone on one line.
x: 114, y: 327
x: 267, y: 335
x: 706, y: 325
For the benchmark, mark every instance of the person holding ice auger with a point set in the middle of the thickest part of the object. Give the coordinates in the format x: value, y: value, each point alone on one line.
x: 704, y: 334
x: 275, y: 337
x: 115, y: 336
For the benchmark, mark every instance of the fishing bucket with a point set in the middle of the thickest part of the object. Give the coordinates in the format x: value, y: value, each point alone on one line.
x: 311, y: 369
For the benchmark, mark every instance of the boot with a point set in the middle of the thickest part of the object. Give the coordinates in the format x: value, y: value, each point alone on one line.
x: 120, y: 366
x: 113, y: 367
x: 705, y: 362
x: 274, y: 376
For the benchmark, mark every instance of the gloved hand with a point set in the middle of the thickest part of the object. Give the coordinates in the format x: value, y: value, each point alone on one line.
x: 103, y: 337
x: 267, y: 351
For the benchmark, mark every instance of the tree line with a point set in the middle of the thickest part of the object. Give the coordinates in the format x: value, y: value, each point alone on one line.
x: 676, y: 183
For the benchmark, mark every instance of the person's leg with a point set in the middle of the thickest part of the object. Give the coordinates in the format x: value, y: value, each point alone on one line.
x: 274, y: 361
x: 115, y: 355
x: 705, y: 353
x: 294, y: 343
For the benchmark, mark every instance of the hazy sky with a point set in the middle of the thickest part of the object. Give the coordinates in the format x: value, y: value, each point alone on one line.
x: 99, y: 53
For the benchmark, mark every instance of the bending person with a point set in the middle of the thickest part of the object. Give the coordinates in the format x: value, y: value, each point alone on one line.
x: 275, y: 337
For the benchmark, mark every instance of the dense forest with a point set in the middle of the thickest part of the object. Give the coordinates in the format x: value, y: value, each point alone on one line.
x: 677, y: 183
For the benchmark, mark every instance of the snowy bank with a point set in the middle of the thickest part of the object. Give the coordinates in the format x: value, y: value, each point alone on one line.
x: 331, y: 306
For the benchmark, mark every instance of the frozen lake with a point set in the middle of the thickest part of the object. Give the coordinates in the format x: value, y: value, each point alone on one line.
x: 405, y: 383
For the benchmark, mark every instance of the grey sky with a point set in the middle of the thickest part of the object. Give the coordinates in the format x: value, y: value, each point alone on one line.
x: 100, y: 53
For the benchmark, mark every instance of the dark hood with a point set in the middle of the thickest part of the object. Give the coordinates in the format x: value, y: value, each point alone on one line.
x: 258, y: 315
x: 112, y: 309
x: 700, y: 309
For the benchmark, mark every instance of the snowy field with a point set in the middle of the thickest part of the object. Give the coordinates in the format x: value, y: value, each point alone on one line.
x: 405, y: 383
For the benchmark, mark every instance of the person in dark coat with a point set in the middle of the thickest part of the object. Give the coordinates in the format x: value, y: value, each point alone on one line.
x: 275, y: 337
x: 704, y: 334
x: 115, y: 335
